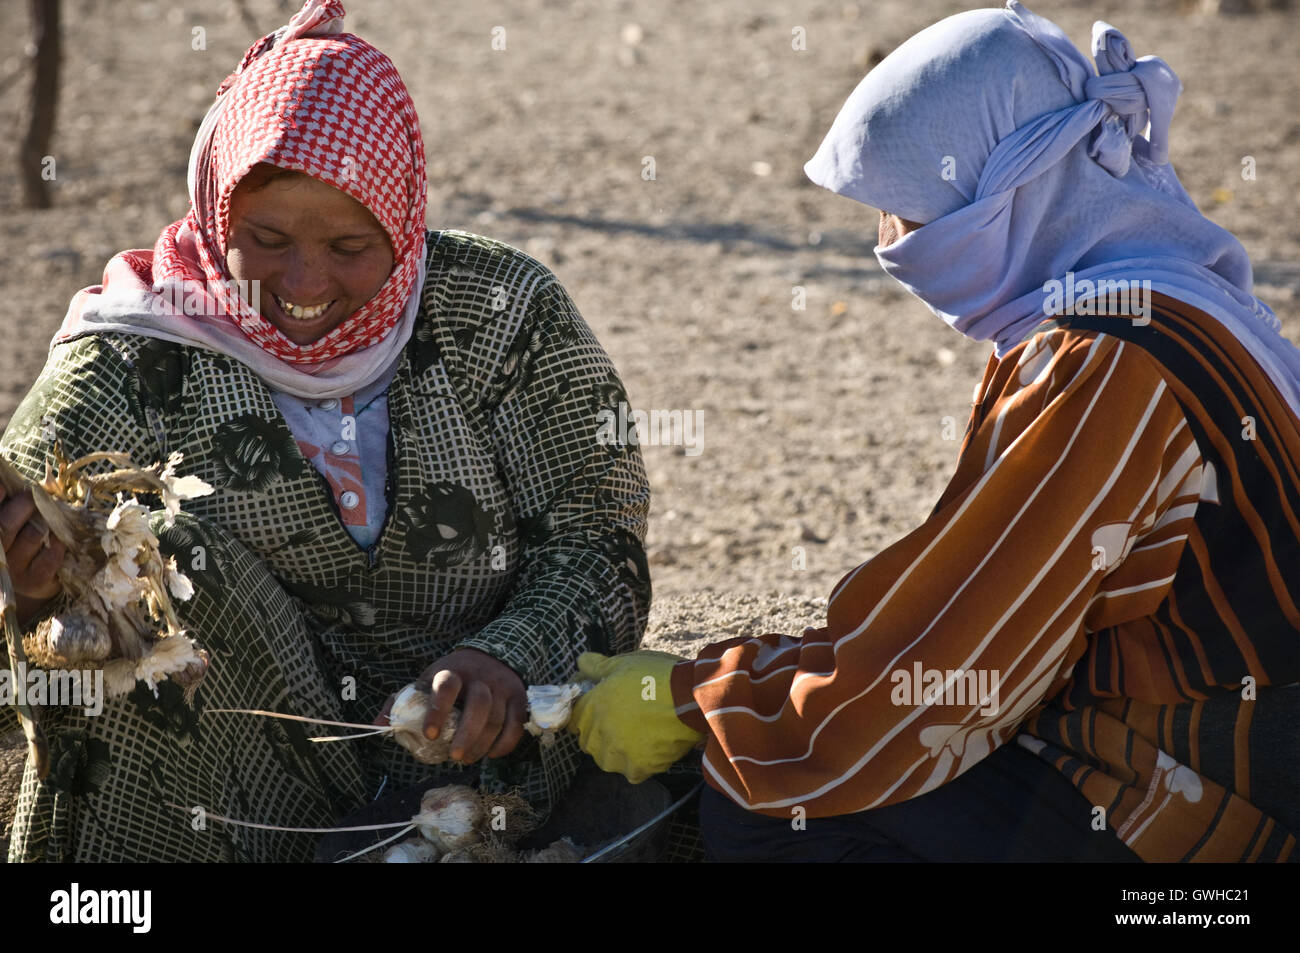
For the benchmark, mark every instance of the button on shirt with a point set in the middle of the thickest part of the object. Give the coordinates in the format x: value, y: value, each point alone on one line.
x: 346, y: 439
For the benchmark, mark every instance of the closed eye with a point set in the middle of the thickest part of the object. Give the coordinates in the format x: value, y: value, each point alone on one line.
x: 268, y: 242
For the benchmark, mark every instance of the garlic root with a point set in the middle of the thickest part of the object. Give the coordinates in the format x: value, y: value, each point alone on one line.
x: 469, y: 828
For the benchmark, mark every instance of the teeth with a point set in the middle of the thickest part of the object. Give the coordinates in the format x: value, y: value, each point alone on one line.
x: 298, y: 311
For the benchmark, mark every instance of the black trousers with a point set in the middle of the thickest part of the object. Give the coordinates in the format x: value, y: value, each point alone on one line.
x: 1012, y: 806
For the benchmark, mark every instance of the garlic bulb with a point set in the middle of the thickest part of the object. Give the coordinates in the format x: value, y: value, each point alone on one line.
x: 68, y: 641
x: 407, y: 718
x: 417, y: 850
x: 549, y: 708
x: 450, y: 817
x: 457, y: 827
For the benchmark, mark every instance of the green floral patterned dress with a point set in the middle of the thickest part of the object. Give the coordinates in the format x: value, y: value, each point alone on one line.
x: 510, y: 529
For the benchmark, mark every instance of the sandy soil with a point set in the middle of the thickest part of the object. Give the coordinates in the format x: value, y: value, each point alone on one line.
x: 823, y: 429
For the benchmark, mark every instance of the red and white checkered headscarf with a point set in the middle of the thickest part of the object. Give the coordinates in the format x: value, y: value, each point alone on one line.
x: 315, y: 100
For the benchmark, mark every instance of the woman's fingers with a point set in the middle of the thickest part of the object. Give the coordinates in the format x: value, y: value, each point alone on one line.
x: 32, y: 555
x: 481, y: 717
x: 14, y: 514
x: 34, y: 563
x: 44, y: 567
x: 445, y: 689
x: 492, y: 700
x: 513, y: 730
x: 487, y: 738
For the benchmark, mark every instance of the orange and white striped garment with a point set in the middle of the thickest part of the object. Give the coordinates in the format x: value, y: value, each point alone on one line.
x: 1105, y: 576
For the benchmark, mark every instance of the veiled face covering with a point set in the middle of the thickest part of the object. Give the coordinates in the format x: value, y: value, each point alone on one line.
x: 1029, y: 170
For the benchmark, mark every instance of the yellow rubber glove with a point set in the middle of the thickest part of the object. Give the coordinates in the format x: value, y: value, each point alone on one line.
x: 626, y: 723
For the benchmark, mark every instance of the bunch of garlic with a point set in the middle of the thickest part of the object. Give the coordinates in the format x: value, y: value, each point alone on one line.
x: 457, y: 825
x: 118, y: 589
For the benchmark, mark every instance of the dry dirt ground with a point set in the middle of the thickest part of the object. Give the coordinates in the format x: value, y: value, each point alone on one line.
x: 823, y: 435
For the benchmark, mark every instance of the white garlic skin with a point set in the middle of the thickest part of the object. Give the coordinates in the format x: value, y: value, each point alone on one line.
x: 417, y: 850
x: 549, y: 707
x: 410, y: 706
x: 450, y: 817
x: 407, y: 718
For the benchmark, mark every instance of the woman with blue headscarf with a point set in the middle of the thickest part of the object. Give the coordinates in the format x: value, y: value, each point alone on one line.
x: 1089, y: 650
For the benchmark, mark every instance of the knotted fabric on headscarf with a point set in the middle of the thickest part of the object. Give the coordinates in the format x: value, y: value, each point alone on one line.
x: 1024, y: 165
x: 311, y: 99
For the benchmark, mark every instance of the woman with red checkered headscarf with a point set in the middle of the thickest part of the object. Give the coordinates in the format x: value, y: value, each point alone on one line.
x: 401, y: 427
x: 311, y: 100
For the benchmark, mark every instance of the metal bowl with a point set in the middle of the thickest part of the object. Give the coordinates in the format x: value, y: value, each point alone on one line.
x: 616, y: 821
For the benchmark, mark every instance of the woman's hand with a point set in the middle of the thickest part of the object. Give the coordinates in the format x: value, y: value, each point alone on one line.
x: 33, y: 562
x: 624, y: 727
x: 494, y: 704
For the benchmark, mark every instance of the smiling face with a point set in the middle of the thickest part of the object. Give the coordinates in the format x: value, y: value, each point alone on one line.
x: 318, y: 253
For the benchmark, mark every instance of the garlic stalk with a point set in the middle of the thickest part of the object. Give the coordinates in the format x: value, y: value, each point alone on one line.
x: 455, y: 825
x: 549, y: 709
x: 37, y: 747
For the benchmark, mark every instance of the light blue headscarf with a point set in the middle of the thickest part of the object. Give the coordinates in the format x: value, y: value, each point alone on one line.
x: 1023, y: 164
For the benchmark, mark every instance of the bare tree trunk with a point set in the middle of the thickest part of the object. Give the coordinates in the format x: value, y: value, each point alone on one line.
x: 44, y: 100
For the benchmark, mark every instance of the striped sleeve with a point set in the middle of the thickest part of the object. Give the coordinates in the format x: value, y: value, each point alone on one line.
x: 1180, y: 725
x: 1068, y: 512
